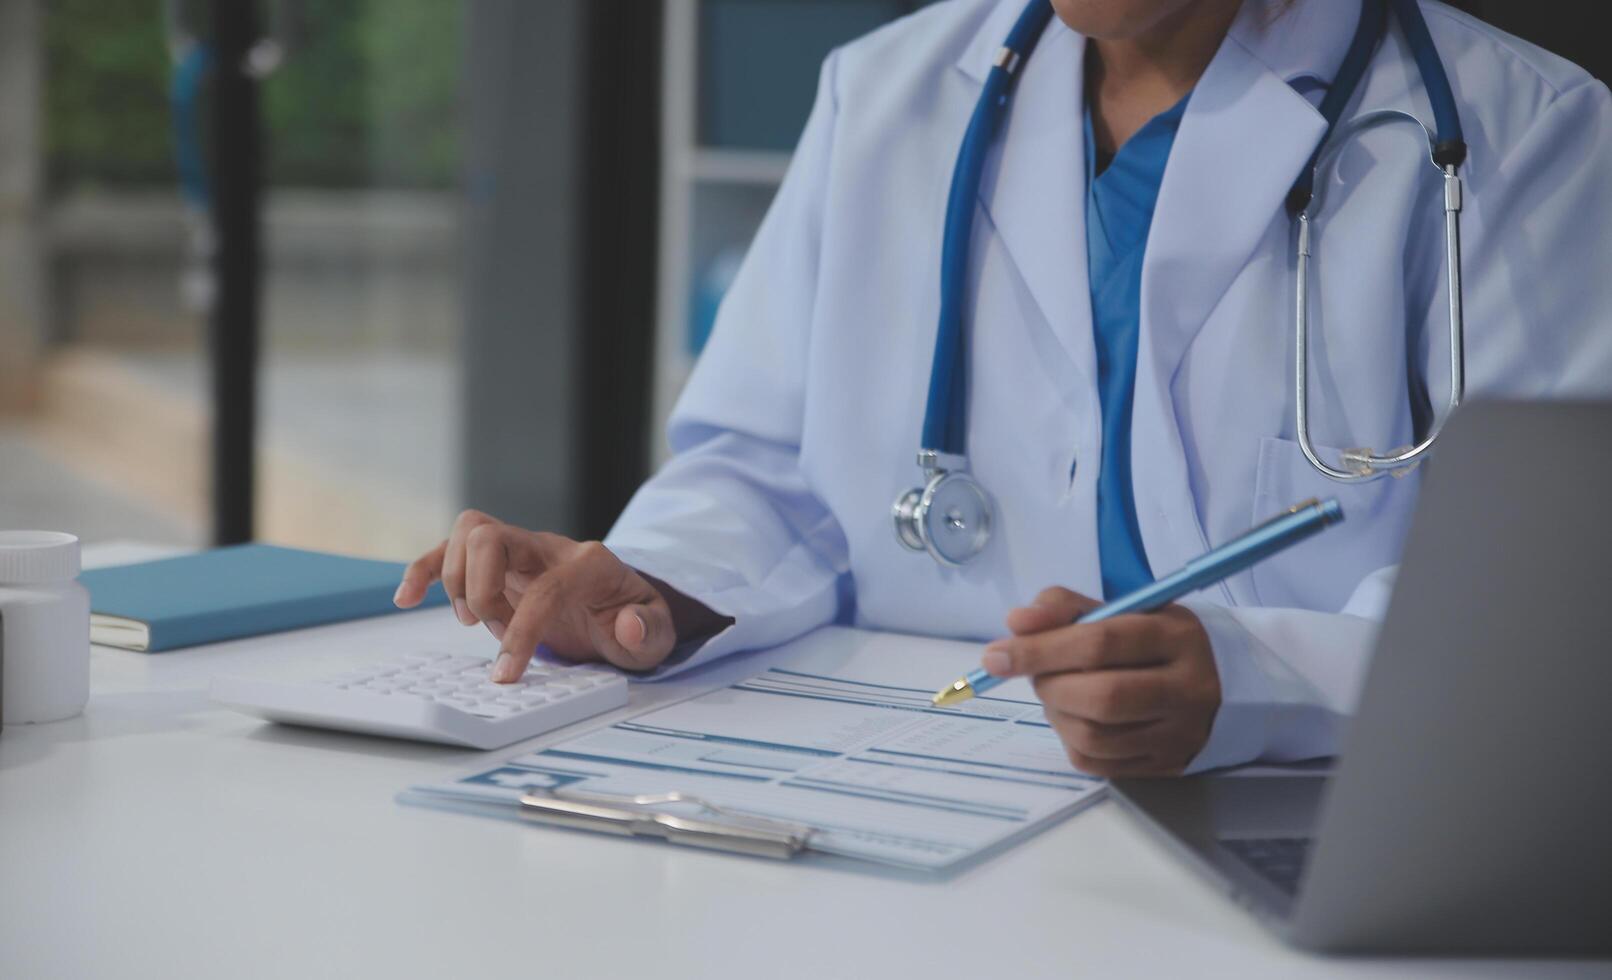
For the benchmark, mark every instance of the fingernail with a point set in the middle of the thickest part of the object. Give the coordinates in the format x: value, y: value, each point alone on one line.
x: 643, y: 626
x: 504, y: 667
x: 996, y: 661
x: 462, y: 610
x: 397, y: 597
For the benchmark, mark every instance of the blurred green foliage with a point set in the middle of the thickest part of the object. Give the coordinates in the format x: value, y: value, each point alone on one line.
x: 368, y: 97
x: 106, y: 109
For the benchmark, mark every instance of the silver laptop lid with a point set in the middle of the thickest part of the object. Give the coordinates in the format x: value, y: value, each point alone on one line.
x: 1473, y: 804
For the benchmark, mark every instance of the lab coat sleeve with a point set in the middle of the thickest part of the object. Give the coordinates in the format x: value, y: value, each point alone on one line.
x: 1289, y: 678
x: 1538, y: 230
x: 730, y: 520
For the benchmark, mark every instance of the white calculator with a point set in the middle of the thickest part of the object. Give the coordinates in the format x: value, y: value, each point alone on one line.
x: 433, y: 697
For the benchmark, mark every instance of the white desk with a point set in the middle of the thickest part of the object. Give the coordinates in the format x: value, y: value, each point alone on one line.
x: 161, y: 836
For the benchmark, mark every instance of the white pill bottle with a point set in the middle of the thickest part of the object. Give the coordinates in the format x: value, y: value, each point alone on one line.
x: 44, y: 628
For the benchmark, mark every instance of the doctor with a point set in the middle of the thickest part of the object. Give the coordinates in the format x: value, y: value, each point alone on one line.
x: 1127, y: 301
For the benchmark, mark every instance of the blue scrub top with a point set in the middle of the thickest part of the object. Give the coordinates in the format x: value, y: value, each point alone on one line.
x: 1119, y: 210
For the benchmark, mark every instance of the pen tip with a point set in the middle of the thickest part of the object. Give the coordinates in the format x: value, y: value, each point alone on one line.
x: 955, y: 692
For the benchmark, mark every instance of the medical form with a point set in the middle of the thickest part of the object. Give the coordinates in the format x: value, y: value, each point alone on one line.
x: 867, y: 762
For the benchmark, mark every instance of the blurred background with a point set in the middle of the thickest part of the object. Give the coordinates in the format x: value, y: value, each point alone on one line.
x: 323, y: 273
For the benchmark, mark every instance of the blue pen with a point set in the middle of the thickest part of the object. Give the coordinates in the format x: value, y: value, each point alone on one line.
x: 1250, y: 548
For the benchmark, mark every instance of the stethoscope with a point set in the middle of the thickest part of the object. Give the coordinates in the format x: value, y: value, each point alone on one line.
x: 950, y: 515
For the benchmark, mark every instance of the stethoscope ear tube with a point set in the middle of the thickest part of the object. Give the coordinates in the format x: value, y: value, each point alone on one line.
x: 1363, y: 464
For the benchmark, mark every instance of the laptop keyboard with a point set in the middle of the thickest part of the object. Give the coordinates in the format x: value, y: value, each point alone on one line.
x: 1279, y: 860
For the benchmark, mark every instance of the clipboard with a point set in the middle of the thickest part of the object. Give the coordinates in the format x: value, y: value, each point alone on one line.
x: 824, y: 758
x: 646, y: 815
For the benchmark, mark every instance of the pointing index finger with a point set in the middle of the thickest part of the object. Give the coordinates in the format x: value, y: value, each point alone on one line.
x: 527, y: 627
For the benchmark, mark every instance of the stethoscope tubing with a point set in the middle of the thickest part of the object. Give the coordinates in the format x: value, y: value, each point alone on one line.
x: 945, y: 415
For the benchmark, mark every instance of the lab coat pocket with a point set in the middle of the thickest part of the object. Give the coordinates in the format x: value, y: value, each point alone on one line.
x: 1323, y: 572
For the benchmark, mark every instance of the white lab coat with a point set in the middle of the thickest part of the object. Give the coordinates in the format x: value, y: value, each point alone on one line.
x: 800, y: 424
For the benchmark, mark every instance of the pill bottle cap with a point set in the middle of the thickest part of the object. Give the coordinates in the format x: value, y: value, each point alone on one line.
x: 37, y: 557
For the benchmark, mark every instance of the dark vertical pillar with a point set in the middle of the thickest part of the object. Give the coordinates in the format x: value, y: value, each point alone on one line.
x: 617, y: 238
x: 237, y: 155
x: 24, y: 312
x: 561, y: 185
x: 519, y: 382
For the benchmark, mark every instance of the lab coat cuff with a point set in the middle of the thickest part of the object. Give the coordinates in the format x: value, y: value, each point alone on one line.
x: 1241, y: 726
x: 759, y: 621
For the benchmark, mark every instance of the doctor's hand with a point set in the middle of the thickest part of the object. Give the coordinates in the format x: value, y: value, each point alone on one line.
x: 576, y: 597
x: 1130, y: 696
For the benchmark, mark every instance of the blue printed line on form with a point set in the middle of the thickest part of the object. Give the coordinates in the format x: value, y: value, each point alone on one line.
x: 1019, y: 812
x: 746, y: 765
x: 924, y: 692
x: 552, y: 770
x: 838, y: 680
x: 631, y: 726
x: 989, y: 765
x: 899, y: 802
x: 866, y: 704
x: 957, y: 772
x: 764, y: 683
x: 635, y: 764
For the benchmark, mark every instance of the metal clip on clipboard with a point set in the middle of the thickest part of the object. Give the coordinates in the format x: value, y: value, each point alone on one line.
x: 634, y: 816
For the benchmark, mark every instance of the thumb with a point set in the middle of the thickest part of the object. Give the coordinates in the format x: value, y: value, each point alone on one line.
x: 1050, y: 609
x: 645, y: 633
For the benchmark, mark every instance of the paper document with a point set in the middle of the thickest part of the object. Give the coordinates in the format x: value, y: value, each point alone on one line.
x: 871, y: 766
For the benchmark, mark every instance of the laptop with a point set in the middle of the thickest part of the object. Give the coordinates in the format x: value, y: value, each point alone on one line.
x: 1471, y: 807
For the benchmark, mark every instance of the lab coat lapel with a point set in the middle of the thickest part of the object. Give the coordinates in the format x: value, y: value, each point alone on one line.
x: 1244, y: 138
x: 1033, y: 191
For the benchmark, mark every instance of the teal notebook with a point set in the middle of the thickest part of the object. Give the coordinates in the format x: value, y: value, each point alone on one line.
x: 228, y: 593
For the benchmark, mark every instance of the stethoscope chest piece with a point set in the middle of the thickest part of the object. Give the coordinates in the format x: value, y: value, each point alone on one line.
x: 949, y: 517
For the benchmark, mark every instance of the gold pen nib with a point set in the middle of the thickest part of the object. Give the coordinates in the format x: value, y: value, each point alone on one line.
x: 956, y: 691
